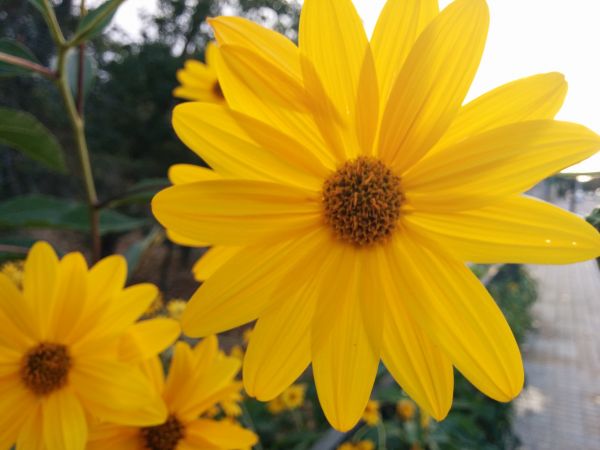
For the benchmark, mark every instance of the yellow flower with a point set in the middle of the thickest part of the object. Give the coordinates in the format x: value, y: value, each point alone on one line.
x: 347, y: 446
x: 365, y: 445
x: 198, y: 379
x: 14, y: 271
x: 176, y: 307
x: 371, y: 413
x: 64, y: 340
x: 276, y: 406
x: 199, y: 80
x: 350, y: 186
x: 293, y: 397
x: 231, y: 405
x: 246, y: 335
x: 155, y: 308
x: 405, y: 409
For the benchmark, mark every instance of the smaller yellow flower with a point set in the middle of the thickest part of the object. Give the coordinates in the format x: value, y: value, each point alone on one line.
x: 425, y: 420
x: 175, y: 308
x: 365, y: 445
x: 405, y: 409
x: 237, y: 352
x: 371, y: 415
x: 276, y: 406
x: 246, y: 335
x: 198, y: 81
x: 293, y: 397
x: 231, y: 405
x: 14, y: 271
x: 347, y: 446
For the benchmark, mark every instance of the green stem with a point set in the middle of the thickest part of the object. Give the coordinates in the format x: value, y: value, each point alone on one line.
x: 29, y: 65
x: 78, y: 126
x: 360, y: 433
x: 250, y: 423
x: 381, y: 436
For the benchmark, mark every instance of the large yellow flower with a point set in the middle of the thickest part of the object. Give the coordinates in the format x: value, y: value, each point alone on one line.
x: 355, y: 185
x: 198, y: 380
x: 63, y: 344
x: 199, y: 80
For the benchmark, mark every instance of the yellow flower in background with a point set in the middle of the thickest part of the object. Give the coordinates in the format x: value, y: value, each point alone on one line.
x: 175, y: 308
x: 198, y: 380
x: 365, y: 445
x: 198, y: 81
x: 231, y: 405
x: 349, y: 186
x: 371, y: 414
x: 276, y: 406
x: 237, y: 352
x: 293, y: 397
x: 347, y: 446
x: 14, y: 271
x: 405, y: 409
x: 65, y: 337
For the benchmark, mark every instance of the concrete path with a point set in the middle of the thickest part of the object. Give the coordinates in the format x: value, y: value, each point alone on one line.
x: 560, y: 407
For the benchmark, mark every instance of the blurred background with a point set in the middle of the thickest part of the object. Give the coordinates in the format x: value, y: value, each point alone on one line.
x: 130, y: 75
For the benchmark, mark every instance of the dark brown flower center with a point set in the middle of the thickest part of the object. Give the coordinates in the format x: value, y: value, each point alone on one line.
x: 362, y: 201
x: 217, y: 90
x: 45, y: 368
x: 165, y: 436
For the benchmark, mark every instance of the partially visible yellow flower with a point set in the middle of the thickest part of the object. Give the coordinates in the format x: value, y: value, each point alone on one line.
x: 237, y: 352
x: 175, y: 308
x: 365, y: 445
x: 276, y: 406
x: 371, y: 414
x: 157, y: 305
x: 231, y: 405
x: 246, y: 335
x: 14, y: 271
x: 198, y: 81
x: 351, y: 184
x: 346, y: 446
x: 406, y: 409
x: 293, y: 397
x: 60, y: 351
x: 198, y: 379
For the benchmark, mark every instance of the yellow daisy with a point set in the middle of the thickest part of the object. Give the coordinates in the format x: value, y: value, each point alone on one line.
x: 405, y: 409
x: 293, y: 397
x: 198, y: 81
x: 198, y: 380
x: 14, y: 271
x: 64, y: 338
x: 371, y: 414
x: 351, y: 184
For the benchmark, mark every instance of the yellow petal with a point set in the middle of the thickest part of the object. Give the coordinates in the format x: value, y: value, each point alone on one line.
x: 495, y: 164
x: 280, y: 51
x: 416, y: 363
x: 215, y: 133
x: 70, y: 297
x: 39, y: 282
x: 64, y: 421
x: 430, y: 88
x: 221, y: 434
x: 31, y: 436
x: 398, y: 27
x: 237, y: 212
x: 279, y: 349
x: 344, y: 360
x: 212, y: 260
x: 107, y: 278
x: 516, y: 230
x: 17, y: 404
x: 184, y: 240
x: 333, y: 39
x: 458, y: 314
x: 189, y: 173
x: 114, y: 437
x: 266, y: 78
x: 234, y: 295
x: 116, y: 392
x: 148, y: 338
x: 18, y: 330
x: 153, y: 370
x: 10, y: 361
x: 533, y: 98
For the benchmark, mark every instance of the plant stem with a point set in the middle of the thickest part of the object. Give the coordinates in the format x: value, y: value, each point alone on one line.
x: 381, y: 437
x: 250, y: 423
x: 77, y: 124
x: 81, y: 66
x: 30, y: 65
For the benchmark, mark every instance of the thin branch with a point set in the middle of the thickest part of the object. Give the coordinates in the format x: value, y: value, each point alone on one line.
x: 81, y: 67
x: 29, y: 65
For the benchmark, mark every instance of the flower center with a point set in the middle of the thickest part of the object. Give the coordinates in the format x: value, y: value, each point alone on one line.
x: 165, y: 436
x: 362, y: 201
x: 45, y: 368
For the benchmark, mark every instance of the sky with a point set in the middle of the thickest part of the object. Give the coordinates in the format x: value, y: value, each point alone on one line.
x: 525, y: 37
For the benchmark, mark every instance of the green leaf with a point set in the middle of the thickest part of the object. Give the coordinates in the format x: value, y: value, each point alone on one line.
x: 141, y: 192
x: 89, y: 71
x: 22, y: 131
x: 95, y: 21
x: 15, y: 48
x: 42, y: 211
